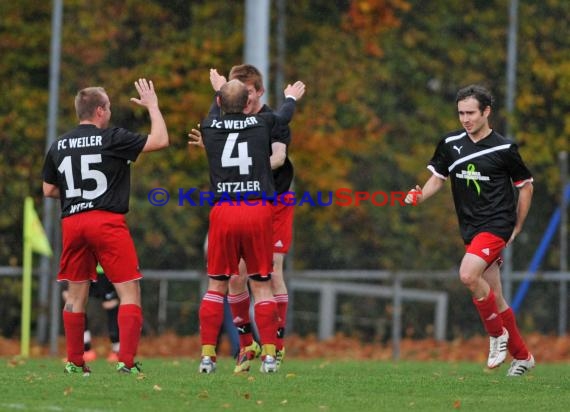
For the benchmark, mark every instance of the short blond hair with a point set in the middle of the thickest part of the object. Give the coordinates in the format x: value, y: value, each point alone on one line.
x: 88, y: 100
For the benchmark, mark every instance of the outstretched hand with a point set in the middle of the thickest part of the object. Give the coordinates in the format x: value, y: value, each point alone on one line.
x: 217, y: 80
x: 414, y: 196
x: 297, y: 90
x: 148, y: 97
x: 196, y: 138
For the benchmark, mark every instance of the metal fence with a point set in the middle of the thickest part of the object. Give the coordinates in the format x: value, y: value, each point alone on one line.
x: 328, y: 285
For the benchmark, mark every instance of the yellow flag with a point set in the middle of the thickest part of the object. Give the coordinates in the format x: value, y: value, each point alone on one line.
x: 34, y: 234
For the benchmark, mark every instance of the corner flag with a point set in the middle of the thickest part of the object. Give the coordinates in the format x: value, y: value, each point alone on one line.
x: 35, y: 240
x: 34, y: 233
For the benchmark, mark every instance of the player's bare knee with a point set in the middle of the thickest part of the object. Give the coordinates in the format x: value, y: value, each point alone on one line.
x: 469, y: 279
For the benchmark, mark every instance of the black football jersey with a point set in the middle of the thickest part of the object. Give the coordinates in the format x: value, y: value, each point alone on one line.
x: 91, y: 167
x: 483, y: 176
x: 283, y: 175
x: 238, y: 147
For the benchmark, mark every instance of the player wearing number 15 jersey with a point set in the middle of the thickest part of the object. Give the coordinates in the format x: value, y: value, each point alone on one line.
x: 88, y: 170
x: 238, y: 147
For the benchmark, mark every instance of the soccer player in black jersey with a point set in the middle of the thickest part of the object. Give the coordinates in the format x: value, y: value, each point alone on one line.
x: 283, y: 213
x: 282, y: 167
x: 483, y: 167
x: 88, y: 169
x: 238, y: 148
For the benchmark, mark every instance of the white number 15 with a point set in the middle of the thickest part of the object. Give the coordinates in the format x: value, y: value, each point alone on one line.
x: 65, y: 167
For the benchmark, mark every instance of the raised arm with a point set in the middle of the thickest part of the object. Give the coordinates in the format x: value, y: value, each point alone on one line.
x: 281, y: 134
x: 158, y: 136
x: 217, y: 80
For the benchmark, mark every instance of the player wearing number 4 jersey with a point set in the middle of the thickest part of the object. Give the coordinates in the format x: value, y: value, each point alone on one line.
x: 282, y: 215
x: 238, y: 147
x: 483, y: 167
x: 282, y: 167
x: 88, y: 169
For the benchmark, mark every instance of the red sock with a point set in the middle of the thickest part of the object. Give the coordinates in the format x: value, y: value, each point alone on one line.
x: 74, y: 326
x: 489, y: 313
x: 239, y: 305
x: 282, y: 303
x: 516, y: 345
x: 211, y: 317
x: 130, y: 322
x: 266, y: 321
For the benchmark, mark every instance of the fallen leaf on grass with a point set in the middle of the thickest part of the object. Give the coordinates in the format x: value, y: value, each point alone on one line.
x: 32, y: 378
x: 12, y: 363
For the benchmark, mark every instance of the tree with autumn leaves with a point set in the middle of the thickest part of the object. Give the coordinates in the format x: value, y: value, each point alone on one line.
x: 381, y: 77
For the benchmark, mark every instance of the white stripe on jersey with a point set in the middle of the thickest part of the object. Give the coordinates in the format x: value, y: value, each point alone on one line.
x: 478, y: 154
x: 523, y: 182
x: 454, y: 138
x: 432, y: 169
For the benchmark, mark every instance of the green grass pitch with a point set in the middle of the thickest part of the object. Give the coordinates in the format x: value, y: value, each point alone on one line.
x: 301, y: 385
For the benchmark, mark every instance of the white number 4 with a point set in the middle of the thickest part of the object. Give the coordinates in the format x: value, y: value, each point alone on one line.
x: 243, y: 161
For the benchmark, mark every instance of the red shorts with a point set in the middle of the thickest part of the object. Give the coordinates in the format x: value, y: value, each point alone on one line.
x: 487, y: 246
x: 240, y: 231
x: 283, y: 211
x: 97, y: 236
